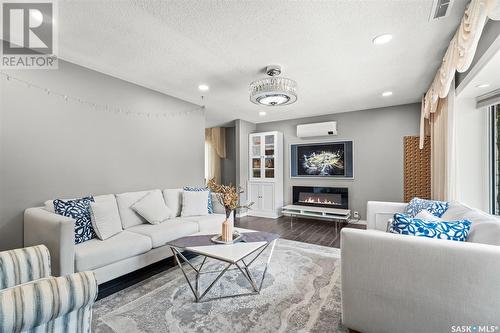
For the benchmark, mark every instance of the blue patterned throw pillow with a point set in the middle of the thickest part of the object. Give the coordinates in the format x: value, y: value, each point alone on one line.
x: 198, y: 189
x: 436, y: 208
x: 453, y: 230
x: 78, y: 209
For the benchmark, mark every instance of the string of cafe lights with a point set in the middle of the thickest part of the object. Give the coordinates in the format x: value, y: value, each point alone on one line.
x: 97, y: 106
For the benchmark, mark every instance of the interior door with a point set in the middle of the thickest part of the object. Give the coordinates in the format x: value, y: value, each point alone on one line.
x: 255, y: 196
x: 267, y: 196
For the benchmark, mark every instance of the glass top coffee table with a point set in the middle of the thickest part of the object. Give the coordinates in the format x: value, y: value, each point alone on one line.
x: 241, y: 255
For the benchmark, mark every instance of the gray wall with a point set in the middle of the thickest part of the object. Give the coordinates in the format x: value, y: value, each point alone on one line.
x: 51, y: 148
x: 243, y: 129
x: 377, y: 136
x: 228, y: 164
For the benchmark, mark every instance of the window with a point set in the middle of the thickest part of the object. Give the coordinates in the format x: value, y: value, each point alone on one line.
x: 495, y: 156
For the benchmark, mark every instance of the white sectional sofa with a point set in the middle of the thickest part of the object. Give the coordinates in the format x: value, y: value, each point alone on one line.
x: 401, y: 283
x: 139, y: 243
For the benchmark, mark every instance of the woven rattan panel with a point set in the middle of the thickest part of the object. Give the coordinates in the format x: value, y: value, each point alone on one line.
x: 417, y: 168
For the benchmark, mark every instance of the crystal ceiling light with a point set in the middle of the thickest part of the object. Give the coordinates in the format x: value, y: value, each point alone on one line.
x: 273, y: 90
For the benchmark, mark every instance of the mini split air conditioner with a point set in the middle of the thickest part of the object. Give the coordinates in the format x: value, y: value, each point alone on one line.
x: 317, y: 129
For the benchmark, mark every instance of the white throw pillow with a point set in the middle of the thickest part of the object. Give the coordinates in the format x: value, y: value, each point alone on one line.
x: 105, y: 217
x: 194, y: 203
x: 218, y: 207
x: 152, y: 207
x: 427, y: 216
x: 173, y: 199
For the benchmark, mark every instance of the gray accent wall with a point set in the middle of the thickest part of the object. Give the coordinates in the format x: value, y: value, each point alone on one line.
x: 50, y: 148
x: 377, y: 136
x: 228, y: 164
x: 243, y: 129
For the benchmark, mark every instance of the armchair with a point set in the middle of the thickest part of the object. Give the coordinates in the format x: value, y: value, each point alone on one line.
x: 401, y: 283
x: 31, y: 300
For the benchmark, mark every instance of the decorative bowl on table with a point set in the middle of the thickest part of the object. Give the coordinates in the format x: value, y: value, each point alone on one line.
x: 236, y: 238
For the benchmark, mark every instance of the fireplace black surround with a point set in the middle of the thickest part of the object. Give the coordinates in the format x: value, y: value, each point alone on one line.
x: 320, y: 196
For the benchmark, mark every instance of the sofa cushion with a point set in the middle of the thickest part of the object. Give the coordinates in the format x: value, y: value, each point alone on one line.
x: 216, y: 204
x: 436, y: 208
x: 97, y: 253
x: 485, y: 233
x: 210, y: 209
x: 79, y: 210
x: 105, y: 217
x: 208, y: 223
x: 425, y: 215
x: 173, y: 199
x: 153, y: 208
x: 194, y: 203
x: 458, y: 210
x: 164, y: 232
x: 125, y: 201
x: 454, y: 230
x: 49, y: 204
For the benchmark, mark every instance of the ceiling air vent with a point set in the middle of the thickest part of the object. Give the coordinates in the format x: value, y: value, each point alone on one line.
x: 440, y: 9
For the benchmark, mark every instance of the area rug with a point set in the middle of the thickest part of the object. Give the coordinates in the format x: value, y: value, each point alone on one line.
x: 301, y: 293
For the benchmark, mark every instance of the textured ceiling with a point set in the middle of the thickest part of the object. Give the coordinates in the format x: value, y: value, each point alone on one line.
x: 173, y: 46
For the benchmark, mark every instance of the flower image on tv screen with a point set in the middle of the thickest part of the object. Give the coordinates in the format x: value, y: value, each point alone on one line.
x: 331, y: 159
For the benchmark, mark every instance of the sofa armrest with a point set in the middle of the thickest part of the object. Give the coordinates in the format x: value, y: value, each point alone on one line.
x: 54, y: 231
x: 401, y: 283
x: 24, y: 265
x: 34, y: 304
x: 379, y: 212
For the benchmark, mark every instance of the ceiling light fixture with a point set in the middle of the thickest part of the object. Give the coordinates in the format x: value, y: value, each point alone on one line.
x: 273, y: 91
x: 484, y: 85
x: 382, y: 39
x: 387, y: 93
x: 203, y: 87
x: 262, y: 113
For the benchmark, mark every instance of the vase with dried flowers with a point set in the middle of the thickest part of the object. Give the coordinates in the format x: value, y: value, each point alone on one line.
x: 229, y: 197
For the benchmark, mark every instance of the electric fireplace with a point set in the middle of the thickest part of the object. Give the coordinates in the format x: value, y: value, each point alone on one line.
x: 320, y: 196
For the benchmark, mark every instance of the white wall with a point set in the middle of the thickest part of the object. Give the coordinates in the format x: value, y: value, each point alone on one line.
x: 50, y: 148
x: 472, y: 158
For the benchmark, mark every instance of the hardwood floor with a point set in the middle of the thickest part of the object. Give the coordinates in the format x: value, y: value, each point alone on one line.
x: 303, y: 230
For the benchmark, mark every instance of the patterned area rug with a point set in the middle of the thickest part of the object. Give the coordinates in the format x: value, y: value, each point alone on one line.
x: 301, y: 293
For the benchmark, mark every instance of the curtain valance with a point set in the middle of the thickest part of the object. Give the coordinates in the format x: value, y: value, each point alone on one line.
x: 459, y: 55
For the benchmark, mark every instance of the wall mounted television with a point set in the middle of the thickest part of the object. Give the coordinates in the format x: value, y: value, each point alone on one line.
x: 322, y: 159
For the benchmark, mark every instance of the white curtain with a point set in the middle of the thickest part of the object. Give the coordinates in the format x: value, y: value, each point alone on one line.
x: 215, y: 150
x: 443, y: 149
x: 437, y: 114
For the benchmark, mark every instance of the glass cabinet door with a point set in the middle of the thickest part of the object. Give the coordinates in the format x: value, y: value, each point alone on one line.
x: 256, y: 156
x: 256, y: 167
x: 269, y: 142
x: 262, y: 156
x: 256, y: 146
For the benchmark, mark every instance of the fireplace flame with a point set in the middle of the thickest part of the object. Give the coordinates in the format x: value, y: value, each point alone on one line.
x: 319, y: 201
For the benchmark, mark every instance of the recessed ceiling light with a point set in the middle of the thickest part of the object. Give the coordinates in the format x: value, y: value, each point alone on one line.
x: 203, y: 87
x: 382, y: 39
x: 262, y: 113
x: 484, y: 85
x: 387, y: 93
